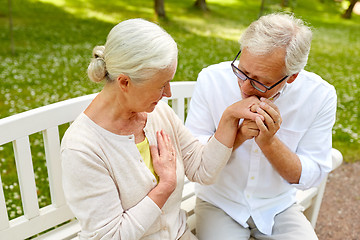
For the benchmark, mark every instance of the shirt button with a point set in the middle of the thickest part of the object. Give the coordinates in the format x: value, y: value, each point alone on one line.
x: 154, y: 180
x: 256, y: 151
x: 252, y: 178
x: 164, y: 228
x: 248, y: 196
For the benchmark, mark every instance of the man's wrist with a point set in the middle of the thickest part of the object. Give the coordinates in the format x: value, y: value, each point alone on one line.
x: 238, y: 143
x: 270, y: 145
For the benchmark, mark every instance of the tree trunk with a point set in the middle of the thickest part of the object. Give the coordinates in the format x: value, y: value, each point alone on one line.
x: 262, y: 8
x: 11, y: 29
x: 201, y: 4
x: 347, y: 13
x: 159, y: 8
x: 285, y: 3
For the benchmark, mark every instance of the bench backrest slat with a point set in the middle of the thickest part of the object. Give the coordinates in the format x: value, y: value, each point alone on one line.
x: 178, y: 106
x: 4, y: 219
x: 52, y: 153
x: 26, y: 177
x: 180, y: 91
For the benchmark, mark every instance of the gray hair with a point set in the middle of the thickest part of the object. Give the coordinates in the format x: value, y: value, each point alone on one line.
x: 279, y: 31
x: 136, y: 48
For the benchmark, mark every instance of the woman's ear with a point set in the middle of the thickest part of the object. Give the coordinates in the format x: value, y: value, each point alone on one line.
x: 123, y: 82
x: 292, y: 78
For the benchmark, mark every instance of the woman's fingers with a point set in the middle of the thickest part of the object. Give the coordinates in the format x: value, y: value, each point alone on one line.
x: 161, y: 142
x: 154, y: 152
x: 166, y: 146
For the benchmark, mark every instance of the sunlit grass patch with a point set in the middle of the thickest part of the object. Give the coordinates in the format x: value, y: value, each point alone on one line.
x: 34, y: 80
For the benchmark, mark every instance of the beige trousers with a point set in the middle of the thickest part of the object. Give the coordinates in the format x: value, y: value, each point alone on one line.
x: 212, y: 223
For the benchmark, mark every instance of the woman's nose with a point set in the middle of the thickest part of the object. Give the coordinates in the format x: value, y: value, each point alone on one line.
x: 167, y: 90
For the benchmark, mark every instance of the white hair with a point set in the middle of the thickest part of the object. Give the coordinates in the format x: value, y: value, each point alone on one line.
x: 136, y: 48
x: 279, y: 31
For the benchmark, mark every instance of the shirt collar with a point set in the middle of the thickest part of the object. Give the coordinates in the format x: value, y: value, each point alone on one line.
x: 279, y: 93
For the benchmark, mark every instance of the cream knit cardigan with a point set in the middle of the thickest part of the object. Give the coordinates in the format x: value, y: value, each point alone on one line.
x: 106, y: 181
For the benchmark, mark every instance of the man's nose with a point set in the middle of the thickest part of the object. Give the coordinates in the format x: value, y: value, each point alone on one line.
x: 245, y: 85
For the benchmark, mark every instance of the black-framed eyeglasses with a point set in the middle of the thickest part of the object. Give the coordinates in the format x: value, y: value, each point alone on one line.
x: 256, y: 84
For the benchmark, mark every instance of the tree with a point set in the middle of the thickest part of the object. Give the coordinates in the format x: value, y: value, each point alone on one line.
x: 159, y: 8
x: 201, y: 4
x: 347, y: 13
x: 11, y: 28
x: 284, y: 3
x: 262, y: 6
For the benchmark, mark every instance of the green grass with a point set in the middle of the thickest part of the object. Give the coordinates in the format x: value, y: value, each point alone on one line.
x: 54, y: 40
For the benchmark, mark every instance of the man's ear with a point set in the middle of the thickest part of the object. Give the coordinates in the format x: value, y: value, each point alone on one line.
x: 292, y: 78
x: 123, y: 82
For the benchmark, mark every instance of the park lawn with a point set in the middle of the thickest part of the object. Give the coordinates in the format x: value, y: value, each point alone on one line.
x: 54, y: 40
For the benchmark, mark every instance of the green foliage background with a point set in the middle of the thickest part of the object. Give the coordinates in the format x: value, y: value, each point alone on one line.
x: 54, y: 41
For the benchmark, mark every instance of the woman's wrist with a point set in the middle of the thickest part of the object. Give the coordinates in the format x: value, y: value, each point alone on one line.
x: 161, y: 193
x: 227, y: 128
x: 230, y: 117
x: 166, y: 188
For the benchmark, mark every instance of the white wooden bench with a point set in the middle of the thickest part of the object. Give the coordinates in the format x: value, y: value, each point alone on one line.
x: 16, y: 129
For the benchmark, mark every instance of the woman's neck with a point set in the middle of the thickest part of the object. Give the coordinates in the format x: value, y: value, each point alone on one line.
x: 110, y: 111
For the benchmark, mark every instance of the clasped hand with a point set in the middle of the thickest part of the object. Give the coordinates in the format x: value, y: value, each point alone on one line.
x: 262, y: 130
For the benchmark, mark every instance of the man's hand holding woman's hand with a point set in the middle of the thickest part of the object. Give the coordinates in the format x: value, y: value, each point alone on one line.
x: 229, y: 122
x: 269, y: 127
x: 243, y: 109
x: 261, y: 128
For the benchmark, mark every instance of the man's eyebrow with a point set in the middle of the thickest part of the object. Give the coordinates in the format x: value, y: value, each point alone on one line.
x: 255, y: 77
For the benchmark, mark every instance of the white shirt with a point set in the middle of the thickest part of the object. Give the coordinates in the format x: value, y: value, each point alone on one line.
x: 249, y: 185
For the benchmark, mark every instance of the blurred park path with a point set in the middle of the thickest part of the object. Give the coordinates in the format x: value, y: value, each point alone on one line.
x: 339, y: 217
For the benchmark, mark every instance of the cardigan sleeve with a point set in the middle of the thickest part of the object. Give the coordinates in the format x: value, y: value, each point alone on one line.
x: 94, y: 199
x: 202, y: 162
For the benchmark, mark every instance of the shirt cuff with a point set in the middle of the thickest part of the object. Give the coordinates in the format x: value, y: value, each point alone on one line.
x: 308, y: 175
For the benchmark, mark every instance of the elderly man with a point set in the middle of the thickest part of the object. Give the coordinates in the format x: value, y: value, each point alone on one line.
x: 290, y: 149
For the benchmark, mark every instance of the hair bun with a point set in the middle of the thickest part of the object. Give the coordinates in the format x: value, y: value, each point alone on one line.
x: 97, y: 67
x: 98, y: 52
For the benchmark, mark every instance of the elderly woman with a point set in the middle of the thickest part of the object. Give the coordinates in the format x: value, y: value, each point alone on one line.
x: 124, y: 158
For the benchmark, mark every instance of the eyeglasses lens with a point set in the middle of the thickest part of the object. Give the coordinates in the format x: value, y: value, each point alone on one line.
x: 258, y: 86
